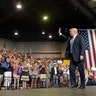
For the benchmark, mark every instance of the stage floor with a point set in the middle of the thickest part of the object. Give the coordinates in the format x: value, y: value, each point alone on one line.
x: 89, y: 91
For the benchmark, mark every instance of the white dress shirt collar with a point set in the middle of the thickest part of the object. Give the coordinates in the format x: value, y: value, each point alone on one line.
x: 75, y: 36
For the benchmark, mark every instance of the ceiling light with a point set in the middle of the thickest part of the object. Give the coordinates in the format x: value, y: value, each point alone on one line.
x: 45, y: 17
x: 15, y: 33
x: 43, y: 32
x: 50, y: 36
x: 19, y: 5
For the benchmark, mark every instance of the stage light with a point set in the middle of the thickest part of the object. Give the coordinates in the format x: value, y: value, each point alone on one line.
x: 19, y: 5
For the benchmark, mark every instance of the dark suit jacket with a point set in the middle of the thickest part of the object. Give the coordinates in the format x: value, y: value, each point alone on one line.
x: 53, y: 72
x: 78, y: 48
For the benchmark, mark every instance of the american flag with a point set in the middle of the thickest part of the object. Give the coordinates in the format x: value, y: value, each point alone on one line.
x: 89, y: 36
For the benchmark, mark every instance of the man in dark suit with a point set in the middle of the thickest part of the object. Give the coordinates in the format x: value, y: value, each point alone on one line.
x: 54, y: 75
x: 75, y: 51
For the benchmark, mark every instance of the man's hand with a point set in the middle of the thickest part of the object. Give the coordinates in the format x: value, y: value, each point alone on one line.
x: 81, y: 57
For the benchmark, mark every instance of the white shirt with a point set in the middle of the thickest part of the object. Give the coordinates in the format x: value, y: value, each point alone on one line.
x: 55, y: 70
x: 71, y: 42
x: 74, y: 36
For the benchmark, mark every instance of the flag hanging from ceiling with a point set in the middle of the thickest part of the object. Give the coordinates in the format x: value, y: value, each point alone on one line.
x: 89, y: 36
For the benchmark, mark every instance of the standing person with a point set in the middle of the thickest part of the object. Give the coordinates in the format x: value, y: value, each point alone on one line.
x: 42, y: 72
x: 47, y: 77
x: 15, y: 74
x: 25, y: 74
x: 8, y: 72
x: 34, y: 72
x: 54, y: 74
x: 75, y: 51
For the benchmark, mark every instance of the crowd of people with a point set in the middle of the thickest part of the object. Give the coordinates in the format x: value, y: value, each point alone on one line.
x: 22, y: 70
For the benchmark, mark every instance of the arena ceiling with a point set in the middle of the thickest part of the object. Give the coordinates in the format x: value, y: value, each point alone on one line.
x: 28, y: 21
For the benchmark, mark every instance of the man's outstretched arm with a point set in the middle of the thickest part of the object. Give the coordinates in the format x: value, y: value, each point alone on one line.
x: 60, y: 34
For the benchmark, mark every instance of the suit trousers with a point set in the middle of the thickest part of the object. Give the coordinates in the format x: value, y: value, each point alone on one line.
x: 72, y: 70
